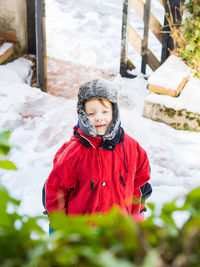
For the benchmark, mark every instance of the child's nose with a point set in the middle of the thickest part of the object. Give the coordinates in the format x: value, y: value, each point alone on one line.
x: 98, y: 117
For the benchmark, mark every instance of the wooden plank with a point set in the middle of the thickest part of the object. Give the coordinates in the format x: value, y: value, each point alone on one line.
x: 152, y: 60
x: 124, y: 37
x: 165, y: 91
x: 154, y: 24
x: 156, y: 28
x: 136, y: 41
x: 8, y: 36
x: 161, y: 90
x: 145, y: 36
x: 181, y: 85
x: 40, y: 49
x: 7, y: 54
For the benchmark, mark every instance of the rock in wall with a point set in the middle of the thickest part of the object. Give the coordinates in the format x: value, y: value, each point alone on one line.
x: 178, y: 119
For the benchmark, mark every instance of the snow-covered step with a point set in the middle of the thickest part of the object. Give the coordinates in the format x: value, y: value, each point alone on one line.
x: 182, y: 113
x: 6, y: 50
x: 170, y: 78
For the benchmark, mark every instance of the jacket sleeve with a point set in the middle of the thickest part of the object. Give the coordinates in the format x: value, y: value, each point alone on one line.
x: 142, y: 189
x: 59, y: 184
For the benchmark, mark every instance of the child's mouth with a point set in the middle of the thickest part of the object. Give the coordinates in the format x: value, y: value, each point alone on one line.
x: 101, y: 125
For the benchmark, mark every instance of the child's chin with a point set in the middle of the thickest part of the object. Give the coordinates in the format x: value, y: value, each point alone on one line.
x: 101, y: 132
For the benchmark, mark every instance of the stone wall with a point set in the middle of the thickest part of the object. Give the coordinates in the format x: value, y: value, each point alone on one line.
x: 13, y: 20
x: 178, y: 119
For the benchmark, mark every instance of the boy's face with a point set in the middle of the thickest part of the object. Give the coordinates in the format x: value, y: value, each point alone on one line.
x: 100, y: 114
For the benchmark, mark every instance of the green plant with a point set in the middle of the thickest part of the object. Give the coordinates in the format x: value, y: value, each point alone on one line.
x: 18, y: 234
x: 193, y: 6
x: 187, y: 37
x: 4, y: 150
x: 109, y: 240
x: 190, y: 52
x: 158, y: 241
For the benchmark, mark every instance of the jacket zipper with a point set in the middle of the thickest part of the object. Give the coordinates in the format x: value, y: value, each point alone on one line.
x: 88, y: 141
x: 99, y: 205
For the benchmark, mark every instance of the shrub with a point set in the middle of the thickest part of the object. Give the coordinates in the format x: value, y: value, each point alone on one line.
x: 187, y: 37
x: 110, y: 240
x: 4, y: 150
x: 19, y: 235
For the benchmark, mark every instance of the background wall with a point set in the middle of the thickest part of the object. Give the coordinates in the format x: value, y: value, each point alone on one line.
x: 13, y: 20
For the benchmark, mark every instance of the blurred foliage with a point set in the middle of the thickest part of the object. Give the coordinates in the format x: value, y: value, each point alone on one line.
x: 193, y: 6
x: 187, y: 37
x: 4, y: 150
x: 109, y: 240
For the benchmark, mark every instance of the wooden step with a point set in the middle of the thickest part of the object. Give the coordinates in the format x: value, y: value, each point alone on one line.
x: 6, y: 50
x: 8, y: 36
x: 1, y: 41
x: 165, y: 91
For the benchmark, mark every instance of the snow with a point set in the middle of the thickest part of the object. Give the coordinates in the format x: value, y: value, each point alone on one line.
x: 4, y: 47
x: 189, y: 98
x: 40, y: 122
x: 170, y: 74
x: 85, y: 32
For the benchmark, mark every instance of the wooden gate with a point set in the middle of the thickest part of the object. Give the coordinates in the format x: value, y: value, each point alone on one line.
x: 37, y: 38
x: 130, y: 35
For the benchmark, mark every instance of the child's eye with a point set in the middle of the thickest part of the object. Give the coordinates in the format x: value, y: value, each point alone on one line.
x: 90, y: 114
x: 105, y: 111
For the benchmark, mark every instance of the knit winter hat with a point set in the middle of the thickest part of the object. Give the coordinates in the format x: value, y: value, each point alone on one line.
x: 103, y: 89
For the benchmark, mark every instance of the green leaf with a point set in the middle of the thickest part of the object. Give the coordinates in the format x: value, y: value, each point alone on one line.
x: 4, y: 145
x: 151, y: 206
x: 152, y: 259
x: 107, y: 259
x: 191, y: 47
x: 8, y: 165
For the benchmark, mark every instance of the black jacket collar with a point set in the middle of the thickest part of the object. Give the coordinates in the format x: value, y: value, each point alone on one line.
x: 107, y: 144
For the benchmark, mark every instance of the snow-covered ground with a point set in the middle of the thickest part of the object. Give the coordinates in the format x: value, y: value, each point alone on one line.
x: 89, y: 32
x: 40, y: 122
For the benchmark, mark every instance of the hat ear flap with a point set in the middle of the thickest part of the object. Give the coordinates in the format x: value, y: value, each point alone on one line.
x: 115, y: 124
x: 85, y: 125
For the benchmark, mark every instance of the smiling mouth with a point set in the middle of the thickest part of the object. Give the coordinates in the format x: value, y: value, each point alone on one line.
x: 99, y: 126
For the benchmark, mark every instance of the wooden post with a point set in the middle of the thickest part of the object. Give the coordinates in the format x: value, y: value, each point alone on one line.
x: 30, y: 10
x: 145, y: 36
x: 173, y: 7
x: 40, y: 44
x: 124, y: 37
x: 124, y: 40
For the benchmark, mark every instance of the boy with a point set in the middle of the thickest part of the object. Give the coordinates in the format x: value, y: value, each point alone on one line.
x: 100, y: 166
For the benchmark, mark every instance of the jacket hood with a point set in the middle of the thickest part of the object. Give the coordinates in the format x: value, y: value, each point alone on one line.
x: 103, y: 89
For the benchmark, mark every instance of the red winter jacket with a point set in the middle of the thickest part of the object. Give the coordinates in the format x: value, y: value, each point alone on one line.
x: 90, y: 176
